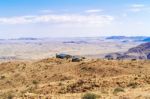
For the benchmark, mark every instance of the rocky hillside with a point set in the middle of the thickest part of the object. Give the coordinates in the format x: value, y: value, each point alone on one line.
x: 139, y: 52
x: 63, y: 79
x: 143, y: 48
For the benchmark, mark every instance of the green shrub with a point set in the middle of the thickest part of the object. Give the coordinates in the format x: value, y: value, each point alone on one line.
x: 118, y: 89
x: 90, y: 96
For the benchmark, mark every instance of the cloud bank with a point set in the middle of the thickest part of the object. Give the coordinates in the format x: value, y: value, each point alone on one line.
x: 58, y: 19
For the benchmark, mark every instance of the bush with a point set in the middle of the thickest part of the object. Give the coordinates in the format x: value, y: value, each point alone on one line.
x: 132, y: 85
x: 2, y: 77
x: 90, y: 96
x: 35, y: 82
x: 10, y: 96
x: 119, y: 89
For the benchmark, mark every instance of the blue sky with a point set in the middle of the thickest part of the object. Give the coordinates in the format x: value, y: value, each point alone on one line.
x: 74, y: 18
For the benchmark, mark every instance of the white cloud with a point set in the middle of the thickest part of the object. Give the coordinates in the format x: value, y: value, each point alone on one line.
x: 93, y: 10
x: 137, y: 7
x: 59, y: 19
x: 46, y: 11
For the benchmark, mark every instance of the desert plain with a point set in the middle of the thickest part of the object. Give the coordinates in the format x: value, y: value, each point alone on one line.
x: 29, y: 70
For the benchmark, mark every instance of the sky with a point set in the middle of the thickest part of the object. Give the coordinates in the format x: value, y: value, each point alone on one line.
x: 74, y: 18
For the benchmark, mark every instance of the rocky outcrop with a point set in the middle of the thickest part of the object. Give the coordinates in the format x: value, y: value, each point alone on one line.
x: 143, y: 48
x: 139, y: 52
x: 112, y: 56
x: 148, y: 56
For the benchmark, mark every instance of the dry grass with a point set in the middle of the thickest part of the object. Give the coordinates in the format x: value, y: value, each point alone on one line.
x: 54, y: 78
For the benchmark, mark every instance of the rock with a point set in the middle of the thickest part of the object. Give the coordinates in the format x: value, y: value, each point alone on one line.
x: 139, y: 52
x: 112, y: 56
x: 77, y: 59
x: 148, y: 56
x: 63, y: 56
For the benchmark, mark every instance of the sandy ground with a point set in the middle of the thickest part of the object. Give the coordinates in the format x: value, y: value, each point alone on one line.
x: 39, y: 49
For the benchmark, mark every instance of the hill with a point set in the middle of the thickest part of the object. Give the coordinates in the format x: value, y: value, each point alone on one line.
x: 63, y: 79
x: 141, y: 51
x: 129, y: 38
x: 147, y: 39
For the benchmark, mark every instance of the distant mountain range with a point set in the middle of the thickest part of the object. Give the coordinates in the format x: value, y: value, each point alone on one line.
x: 27, y: 38
x: 75, y: 42
x: 147, y: 39
x: 139, y: 52
x: 85, y: 39
x: 130, y: 38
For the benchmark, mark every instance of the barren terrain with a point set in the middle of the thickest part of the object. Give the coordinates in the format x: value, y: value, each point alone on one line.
x: 44, y: 48
x: 28, y: 70
x: 62, y: 79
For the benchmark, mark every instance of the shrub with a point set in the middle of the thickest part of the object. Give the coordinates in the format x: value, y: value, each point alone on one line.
x: 118, y: 89
x: 35, y: 82
x: 2, y: 77
x: 132, y: 85
x: 90, y: 96
x: 10, y: 96
x: 7, y: 95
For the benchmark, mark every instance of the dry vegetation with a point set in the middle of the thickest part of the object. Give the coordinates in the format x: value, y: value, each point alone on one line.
x: 61, y: 79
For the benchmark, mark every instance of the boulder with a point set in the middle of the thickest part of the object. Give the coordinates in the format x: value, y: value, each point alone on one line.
x: 77, y: 59
x: 63, y: 56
